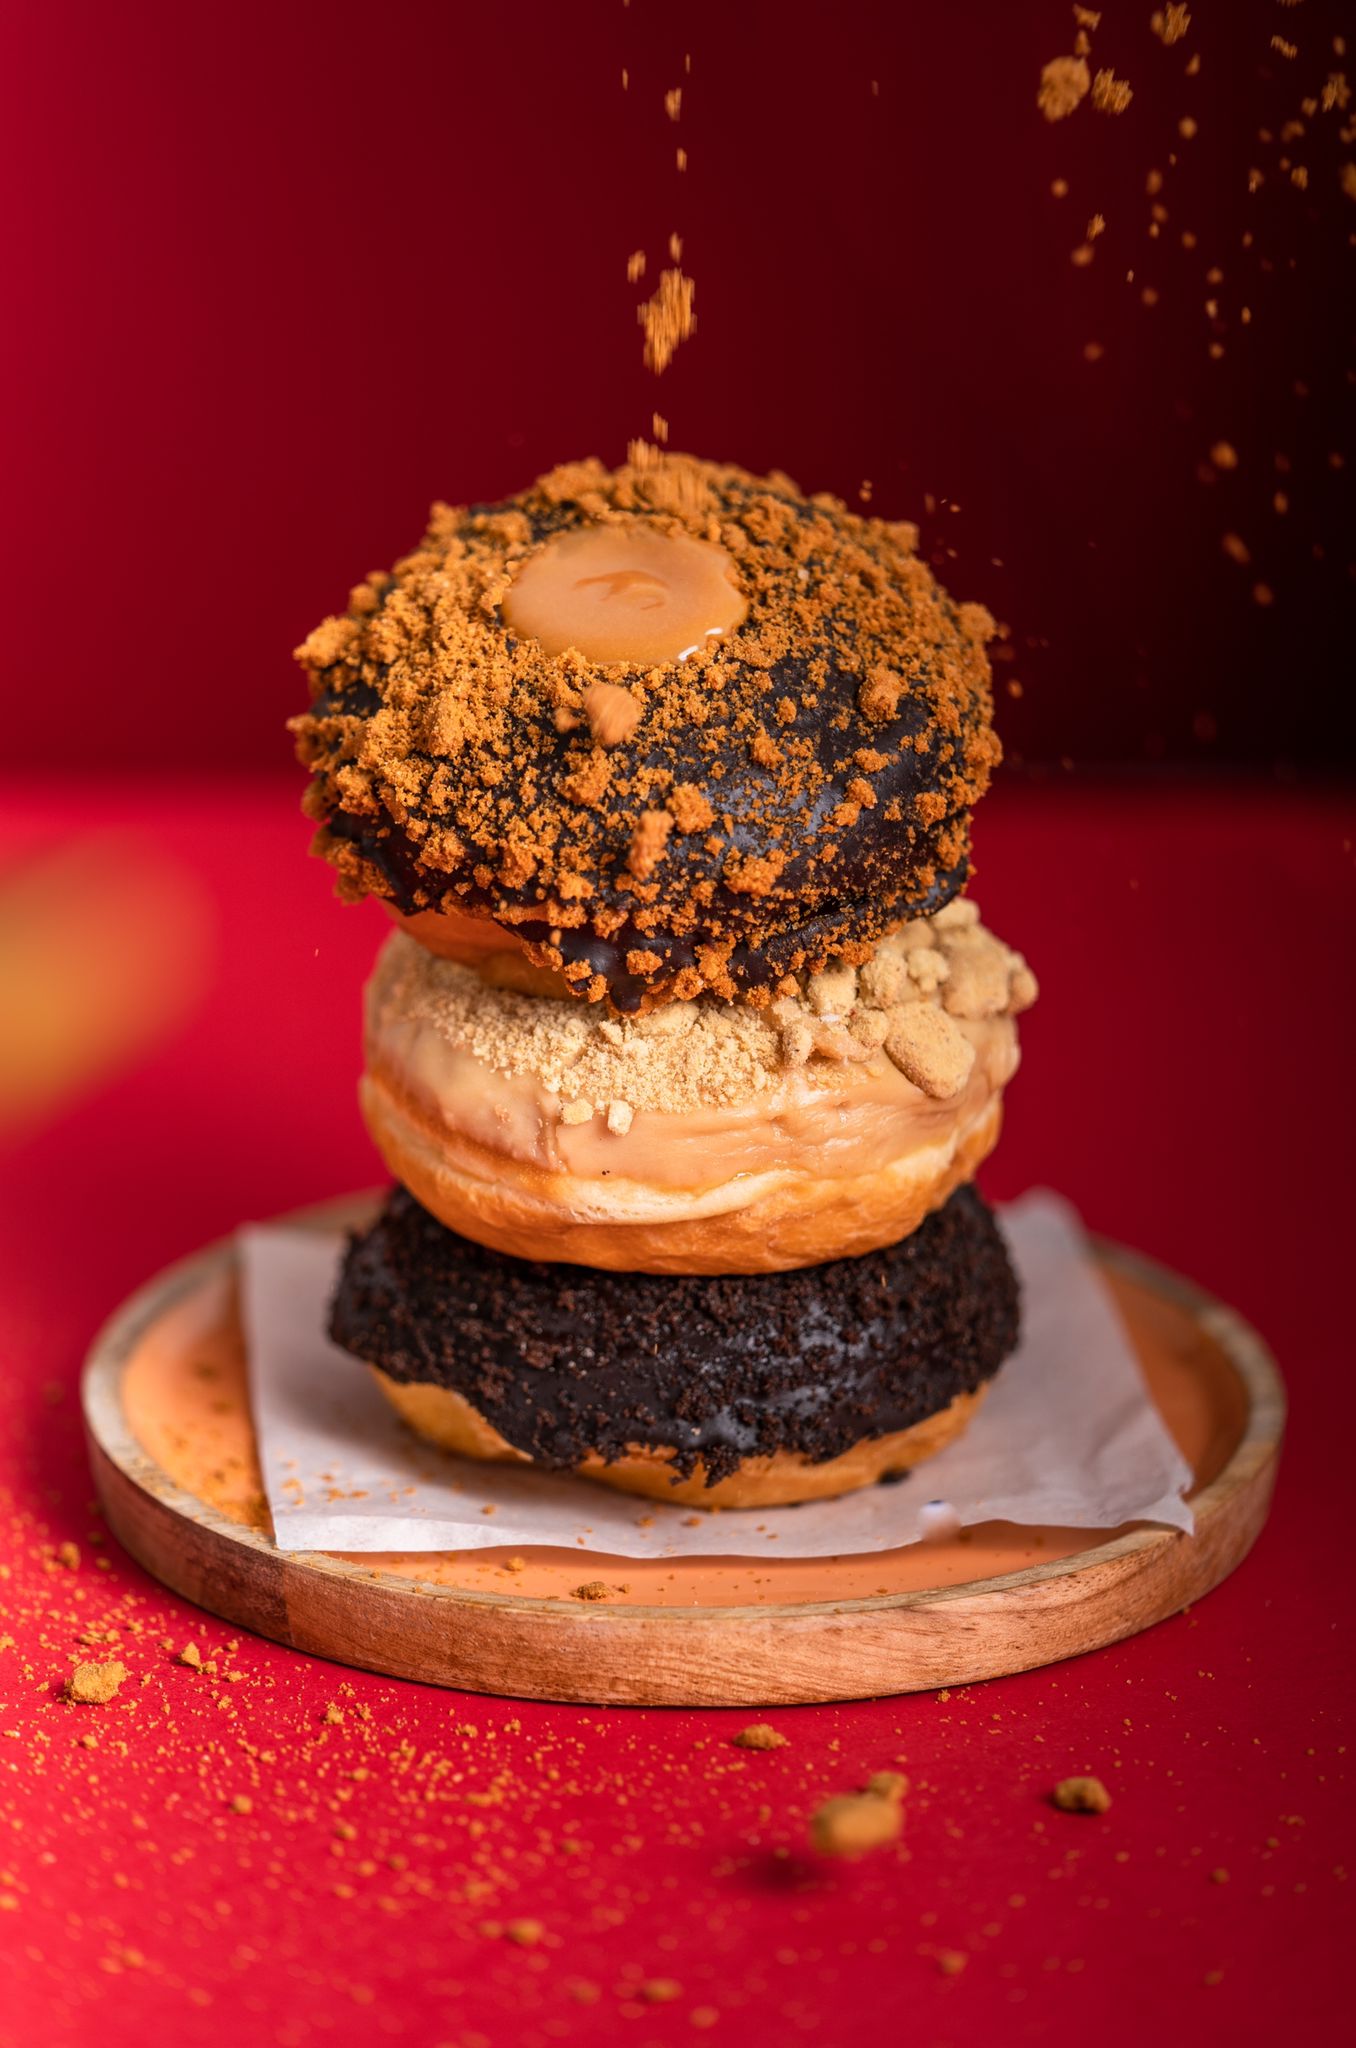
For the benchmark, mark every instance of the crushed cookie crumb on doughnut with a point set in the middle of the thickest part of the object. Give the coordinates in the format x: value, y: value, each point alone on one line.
x: 930, y: 1051
x: 819, y: 764
x: 907, y: 999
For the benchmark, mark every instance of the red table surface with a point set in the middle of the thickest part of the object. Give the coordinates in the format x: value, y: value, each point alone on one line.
x: 1187, y: 1082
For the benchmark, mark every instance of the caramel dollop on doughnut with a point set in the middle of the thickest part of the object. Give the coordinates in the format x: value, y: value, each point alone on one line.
x: 626, y: 594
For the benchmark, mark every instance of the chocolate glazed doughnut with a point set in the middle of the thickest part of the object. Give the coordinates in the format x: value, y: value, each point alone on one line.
x: 785, y: 794
x: 734, y: 1390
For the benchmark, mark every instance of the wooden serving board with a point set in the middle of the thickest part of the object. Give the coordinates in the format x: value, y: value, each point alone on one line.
x: 173, y: 1454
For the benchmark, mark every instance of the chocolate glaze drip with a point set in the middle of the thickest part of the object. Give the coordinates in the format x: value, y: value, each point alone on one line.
x: 564, y: 1361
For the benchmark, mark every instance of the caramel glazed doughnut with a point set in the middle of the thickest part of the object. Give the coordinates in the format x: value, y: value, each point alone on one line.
x: 701, y: 1137
x: 745, y: 854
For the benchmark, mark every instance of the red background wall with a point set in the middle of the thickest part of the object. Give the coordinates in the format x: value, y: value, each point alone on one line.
x: 284, y: 273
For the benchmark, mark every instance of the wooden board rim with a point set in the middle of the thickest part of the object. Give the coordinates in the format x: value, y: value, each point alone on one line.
x: 1238, y: 1496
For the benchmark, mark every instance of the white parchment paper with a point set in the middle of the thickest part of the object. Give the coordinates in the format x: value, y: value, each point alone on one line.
x: 1068, y: 1437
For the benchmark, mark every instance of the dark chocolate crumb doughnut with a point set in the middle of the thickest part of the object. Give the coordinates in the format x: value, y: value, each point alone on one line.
x: 787, y: 794
x: 565, y: 1362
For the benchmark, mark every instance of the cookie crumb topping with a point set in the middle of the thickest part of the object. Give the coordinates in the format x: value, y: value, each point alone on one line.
x: 906, y: 1003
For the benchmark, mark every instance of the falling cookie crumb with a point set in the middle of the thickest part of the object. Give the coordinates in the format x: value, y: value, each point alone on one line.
x: 93, y: 1685
x: 668, y: 319
x: 1170, y: 24
x: 649, y: 837
x: 1064, y: 82
x: 1081, y: 1795
x: 1110, y: 95
x: 760, y: 1735
x: 612, y: 712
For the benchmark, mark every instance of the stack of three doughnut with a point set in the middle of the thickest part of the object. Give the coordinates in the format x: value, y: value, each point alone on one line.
x: 688, y: 1045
